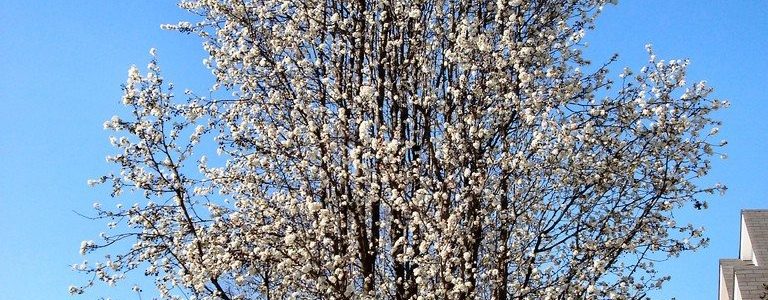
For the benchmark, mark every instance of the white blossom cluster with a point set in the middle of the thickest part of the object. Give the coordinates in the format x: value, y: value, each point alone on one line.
x: 420, y: 149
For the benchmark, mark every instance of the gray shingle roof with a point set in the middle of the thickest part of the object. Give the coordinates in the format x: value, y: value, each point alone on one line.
x: 751, y: 280
x: 757, y: 227
x: 727, y: 267
x: 744, y: 273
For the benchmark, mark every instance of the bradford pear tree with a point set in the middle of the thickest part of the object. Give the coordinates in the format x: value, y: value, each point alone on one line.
x: 420, y: 149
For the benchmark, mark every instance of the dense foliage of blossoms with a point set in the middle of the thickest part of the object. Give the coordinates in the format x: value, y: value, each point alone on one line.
x: 420, y: 149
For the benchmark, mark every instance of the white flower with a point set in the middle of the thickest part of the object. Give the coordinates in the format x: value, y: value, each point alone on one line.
x: 289, y: 239
x: 414, y: 13
x: 364, y: 131
x: 366, y: 92
x: 73, y: 290
x: 85, y: 246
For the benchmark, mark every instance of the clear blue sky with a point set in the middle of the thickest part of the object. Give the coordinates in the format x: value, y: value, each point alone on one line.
x: 63, y: 62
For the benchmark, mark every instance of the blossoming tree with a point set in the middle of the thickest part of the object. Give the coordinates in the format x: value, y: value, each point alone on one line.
x: 421, y: 149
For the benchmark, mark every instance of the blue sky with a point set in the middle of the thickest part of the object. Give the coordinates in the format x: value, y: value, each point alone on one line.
x: 62, y: 65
